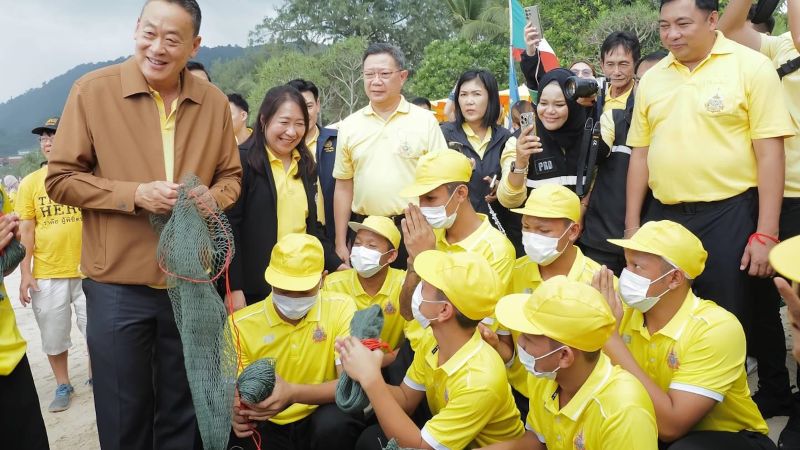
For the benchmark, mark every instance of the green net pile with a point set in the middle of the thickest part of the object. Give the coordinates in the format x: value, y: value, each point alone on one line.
x: 366, y: 323
x: 393, y: 445
x: 257, y: 380
x: 194, y: 248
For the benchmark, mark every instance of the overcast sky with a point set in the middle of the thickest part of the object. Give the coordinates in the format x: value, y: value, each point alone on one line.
x: 41, y: 39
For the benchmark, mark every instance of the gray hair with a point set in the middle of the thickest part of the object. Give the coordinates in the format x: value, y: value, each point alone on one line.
x: 380, y: 48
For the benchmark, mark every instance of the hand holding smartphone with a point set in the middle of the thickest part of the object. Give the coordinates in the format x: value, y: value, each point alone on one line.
x: 532, y: 15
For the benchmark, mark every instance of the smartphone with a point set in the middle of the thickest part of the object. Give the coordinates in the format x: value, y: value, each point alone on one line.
x: 526, y: 120
x: 493, y: 182
x: 532, y: 15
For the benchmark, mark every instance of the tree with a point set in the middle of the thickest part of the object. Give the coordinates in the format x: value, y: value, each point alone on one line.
x: 445, y: 61
x: 639, y: 19
x: 410, y: 24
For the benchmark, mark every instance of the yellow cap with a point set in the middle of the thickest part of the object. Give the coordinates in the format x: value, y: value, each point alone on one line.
x: 552, y: 201
x: 383, y: 226
x: 437, y: 168
x: 785, y: 258
x: 672, y: 241
x: 467, y: 279
x: 296, y: 263
x: 572, y: 313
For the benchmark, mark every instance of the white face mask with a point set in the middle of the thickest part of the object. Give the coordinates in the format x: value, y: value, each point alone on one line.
x: 437, y: 215
x: 416, y: 302
x: 294, y: 308
x: 366, y: 261
x: 633, y: 290
x: 542, y: 250
x: 529, y: 363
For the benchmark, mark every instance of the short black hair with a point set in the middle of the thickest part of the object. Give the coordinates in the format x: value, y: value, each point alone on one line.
x: 655, y: 56
x: 453, y: 185
x: 703, y: 5
x: 305, y: 86
x: 489, y: 82
x: 197, y: 65
x: 627, y: 40
x: 462, y: 320
x: 769, y: 24
x: 382, y: 48
x: 239, y: 101
x: 422, y: 101
x: 190, y: 6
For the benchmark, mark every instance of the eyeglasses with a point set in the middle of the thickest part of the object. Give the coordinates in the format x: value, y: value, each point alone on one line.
x: 383, y: 75
x: 583, y: 73
x: 43, y: 139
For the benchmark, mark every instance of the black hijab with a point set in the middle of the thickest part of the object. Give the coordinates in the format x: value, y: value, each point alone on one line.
x: 570, y: 135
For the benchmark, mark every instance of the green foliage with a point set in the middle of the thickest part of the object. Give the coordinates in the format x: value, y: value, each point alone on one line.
x: 236, y: 75
x: 30, y: 162
x: 410, y: 24
x: 445, y: 61
x: 336, y: 70
x: 639, y: 19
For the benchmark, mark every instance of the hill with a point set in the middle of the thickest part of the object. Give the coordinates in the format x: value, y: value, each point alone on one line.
x: 21, y: 114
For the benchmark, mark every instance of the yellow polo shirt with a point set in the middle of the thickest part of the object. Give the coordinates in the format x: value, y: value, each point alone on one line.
x: 477, y: 144
x: 57, y: 229
x: 702, y: 351
x: 610, y: 411
x: 699, y: 124
x: 304, y: 353
x: 167, y: 132
x: 525, y: 278
x: 12, y: 345
x: 781, y: 49
x: 291, y: 195
x: 381, y: 156
x: 468, y: 395
x: 486, y: 241
x: 616, y: 102
x: 388, y: 297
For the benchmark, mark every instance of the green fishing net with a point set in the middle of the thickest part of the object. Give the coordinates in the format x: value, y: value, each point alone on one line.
x: 366, y: 324
x: 195, y: 246
x: 393, y: 445
x: 257, y: 380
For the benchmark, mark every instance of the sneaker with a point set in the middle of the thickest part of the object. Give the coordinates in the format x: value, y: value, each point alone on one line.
x: 773, y: 405
x: 62, y: 398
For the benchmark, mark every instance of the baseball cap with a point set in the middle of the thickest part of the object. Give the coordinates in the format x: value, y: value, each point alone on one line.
x: 380, y: 225
x: 50, y: 124
x: 552, y: 201
x: 296, y: 264
x: 672, y: 241
x: 437, y: 168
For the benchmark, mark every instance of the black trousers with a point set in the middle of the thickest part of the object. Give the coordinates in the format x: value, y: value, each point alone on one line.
x: 21, y: 423
x: 723, y: 227
x: 713, y: 440
x: 327, y: 428
x: 141, y: 394
x: 402, y: 254
x: 768, y: 342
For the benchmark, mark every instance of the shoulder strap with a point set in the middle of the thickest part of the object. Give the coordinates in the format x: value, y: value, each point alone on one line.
x: 789, y: 67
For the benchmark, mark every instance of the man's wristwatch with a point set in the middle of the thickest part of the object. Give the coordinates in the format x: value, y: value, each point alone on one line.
x: 514, y: 169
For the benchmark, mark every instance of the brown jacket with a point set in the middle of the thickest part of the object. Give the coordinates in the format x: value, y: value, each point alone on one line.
x: 109, y: 142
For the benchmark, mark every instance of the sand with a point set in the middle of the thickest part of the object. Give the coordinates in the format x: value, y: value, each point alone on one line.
x: 76, y: 427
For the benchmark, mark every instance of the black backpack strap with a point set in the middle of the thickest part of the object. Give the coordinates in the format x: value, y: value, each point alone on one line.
x: 583, y: 158
x: 789, y: 67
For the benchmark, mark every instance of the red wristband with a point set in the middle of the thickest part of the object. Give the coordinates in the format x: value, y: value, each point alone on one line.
x: 760, y: 238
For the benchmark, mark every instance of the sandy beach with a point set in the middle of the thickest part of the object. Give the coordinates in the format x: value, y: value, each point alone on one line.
x: 76, y: 428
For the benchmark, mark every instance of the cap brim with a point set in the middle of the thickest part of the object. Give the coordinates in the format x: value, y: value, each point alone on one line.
x: 41, y: 130
x: 785, y: 258
x: 630, y: 244
x: 357, y: 226
x: 290, y: 283
x: 416, y: 190
x: 510, y: 312
x: 542, y: 214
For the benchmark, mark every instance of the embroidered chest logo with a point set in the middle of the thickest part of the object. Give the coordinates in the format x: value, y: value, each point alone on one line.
x: 580, y: 442
x: 328, y: 147
x: 319, y: 335
x: 672, y: 360
x: 715, y: 104
x: 389, y: 308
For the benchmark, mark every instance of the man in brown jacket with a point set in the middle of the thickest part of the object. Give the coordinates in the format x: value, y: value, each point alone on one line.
x: 128, y: 134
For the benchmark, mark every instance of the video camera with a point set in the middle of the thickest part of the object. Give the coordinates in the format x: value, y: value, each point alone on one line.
x: 577, y: 87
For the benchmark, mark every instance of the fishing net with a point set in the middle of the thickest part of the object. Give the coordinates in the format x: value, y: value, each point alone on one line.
x: 393, y: 445
x: 257, y: 380
x: 366, y: 325
x: 195, y: 247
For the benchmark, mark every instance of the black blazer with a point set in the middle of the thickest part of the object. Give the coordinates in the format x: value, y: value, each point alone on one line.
x: 254, y: 222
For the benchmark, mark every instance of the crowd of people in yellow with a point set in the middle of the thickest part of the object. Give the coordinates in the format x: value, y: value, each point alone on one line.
x: 520, y: 310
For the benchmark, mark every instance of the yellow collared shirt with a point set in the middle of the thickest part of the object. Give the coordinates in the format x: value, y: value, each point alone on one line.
x: 388, y: 297
x: 381, y: 156
x: 167, y: 132
x: 304, y: 353
x: 699, y: 124
x: 477, y: 144
x: 12, y: 345
x: 781, y: 49
x: 468, y: 395
x: 616, y: 102
x: 702, y: 351
x: 525, y: 279
x: 291, y: 195
x: 611, y: 410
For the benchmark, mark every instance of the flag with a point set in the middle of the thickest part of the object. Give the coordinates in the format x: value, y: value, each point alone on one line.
x: 518, y: 21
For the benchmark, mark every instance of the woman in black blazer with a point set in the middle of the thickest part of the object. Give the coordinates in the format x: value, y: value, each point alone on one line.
x: 276, y: 147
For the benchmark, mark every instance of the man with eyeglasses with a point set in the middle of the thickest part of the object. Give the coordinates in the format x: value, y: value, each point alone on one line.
x: 52, y: 234
x: 379, y: 146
